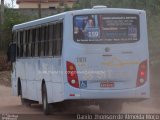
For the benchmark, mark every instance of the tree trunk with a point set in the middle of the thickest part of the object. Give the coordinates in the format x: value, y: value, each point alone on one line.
x: 1, y: 22
x: 2, y: 11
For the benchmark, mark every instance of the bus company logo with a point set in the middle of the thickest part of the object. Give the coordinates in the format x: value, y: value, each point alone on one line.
x: 83, y: 84
x: 107, y: 49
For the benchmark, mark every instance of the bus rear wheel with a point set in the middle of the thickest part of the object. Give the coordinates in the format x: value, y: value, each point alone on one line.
x: 46, y: 105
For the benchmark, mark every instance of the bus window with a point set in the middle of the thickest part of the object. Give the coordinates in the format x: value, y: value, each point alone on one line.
x: 47, y: 40
x: 54, y: 40
x: 58, y: 38
x: 61, y: 38
x: 106, y: 28
x: 33, y: 42
x: 50, y: 40
x: 21, y: 44
x: 36, y: 42
x: 39, y: 40
x: 29, y: 42
x: 18, y: 44
x: 42, y: 32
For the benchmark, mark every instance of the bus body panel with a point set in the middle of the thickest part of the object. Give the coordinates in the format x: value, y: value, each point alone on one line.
x: 134, y: 93
x: 32, y: 72
x: 119, y: 65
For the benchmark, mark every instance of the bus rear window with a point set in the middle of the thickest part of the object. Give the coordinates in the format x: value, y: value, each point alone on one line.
x: 106, y: 28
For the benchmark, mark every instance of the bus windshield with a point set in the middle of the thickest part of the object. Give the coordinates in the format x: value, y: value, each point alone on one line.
x: 106, y: 28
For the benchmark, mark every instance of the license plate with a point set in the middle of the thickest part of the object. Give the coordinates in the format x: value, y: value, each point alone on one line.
x: 109, y: 84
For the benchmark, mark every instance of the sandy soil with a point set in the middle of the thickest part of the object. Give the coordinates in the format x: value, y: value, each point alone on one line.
x: 12, y: 104
x: 5, y: 77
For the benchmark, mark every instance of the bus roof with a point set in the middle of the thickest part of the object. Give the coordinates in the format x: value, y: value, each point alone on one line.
x: 106, y: 10
x: 39, y: 21
x: 60, y: 16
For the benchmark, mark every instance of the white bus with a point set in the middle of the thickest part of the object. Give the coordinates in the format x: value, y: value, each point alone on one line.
x: 98, y: 54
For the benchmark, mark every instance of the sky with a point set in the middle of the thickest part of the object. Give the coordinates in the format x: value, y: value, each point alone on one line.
x: 9, y: 3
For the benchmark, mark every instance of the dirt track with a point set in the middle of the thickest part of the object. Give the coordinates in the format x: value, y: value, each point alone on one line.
x: 11, y: 104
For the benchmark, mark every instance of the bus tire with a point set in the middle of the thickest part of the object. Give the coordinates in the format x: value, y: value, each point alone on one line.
x: 46, y: 105
x: 110, y: 106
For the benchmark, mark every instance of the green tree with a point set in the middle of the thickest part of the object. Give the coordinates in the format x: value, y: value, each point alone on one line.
x: 11, y: 18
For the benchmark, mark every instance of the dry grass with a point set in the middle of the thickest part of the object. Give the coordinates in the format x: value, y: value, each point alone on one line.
x: 4, y: 65
x: 5, y: 78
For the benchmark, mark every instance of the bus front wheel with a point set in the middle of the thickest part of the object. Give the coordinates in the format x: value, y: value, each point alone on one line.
x: 46, y: 106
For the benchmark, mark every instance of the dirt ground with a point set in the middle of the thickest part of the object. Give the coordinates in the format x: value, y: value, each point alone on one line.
x: 5, y: 78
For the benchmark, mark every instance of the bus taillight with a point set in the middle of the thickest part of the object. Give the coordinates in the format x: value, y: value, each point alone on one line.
x: 142, y: 74
x: 72, y: 75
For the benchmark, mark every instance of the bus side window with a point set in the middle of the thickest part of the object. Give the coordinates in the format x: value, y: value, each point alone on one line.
x: 39, y: 41
x: 58, y: 39
x: 61, y: 39
x: 24, y: 43
x: 56, y: 45
x: 18, y: 44
x: 42, y: 41
x: 33, y: 42
x: 21, y: 43
x: 36, y: 42
x: 50, y: 39
x: 29, y: 42
x: 47, y: 41
x: 52, y: 36
x: 54, y: 40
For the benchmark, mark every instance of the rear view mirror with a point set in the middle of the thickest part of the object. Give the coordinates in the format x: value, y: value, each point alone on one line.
x: 11, y: 53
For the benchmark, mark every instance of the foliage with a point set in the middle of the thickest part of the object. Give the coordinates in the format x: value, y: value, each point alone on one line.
x: 11, y: 18
x: 66, y: 7
x: 76, y: 6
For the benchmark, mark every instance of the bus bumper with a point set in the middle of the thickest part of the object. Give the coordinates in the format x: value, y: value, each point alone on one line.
x: 71, y: 93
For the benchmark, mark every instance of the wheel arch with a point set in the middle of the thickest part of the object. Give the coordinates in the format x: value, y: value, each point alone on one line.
x: 48, y: 90
x: 43, y: 83
x: 19, y: 86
